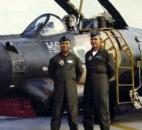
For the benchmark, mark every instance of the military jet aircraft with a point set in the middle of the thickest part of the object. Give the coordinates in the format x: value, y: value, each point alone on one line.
x: 25, y: 87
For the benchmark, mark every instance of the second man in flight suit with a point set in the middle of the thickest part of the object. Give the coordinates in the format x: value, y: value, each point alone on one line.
x: 100, y: 67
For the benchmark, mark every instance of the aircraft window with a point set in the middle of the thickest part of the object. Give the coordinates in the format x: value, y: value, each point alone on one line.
x: 53, y: 26
x: 88, y: 24
x: 34, y: 26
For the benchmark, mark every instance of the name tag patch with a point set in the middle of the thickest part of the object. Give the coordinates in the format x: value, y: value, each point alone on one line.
x: 70, y: 61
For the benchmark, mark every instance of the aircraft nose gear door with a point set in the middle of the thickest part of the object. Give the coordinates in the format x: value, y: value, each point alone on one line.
x: 117, y: 45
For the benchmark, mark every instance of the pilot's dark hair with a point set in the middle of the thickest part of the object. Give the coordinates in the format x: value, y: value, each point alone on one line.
x: 64, y: 38
x: 93, y: 34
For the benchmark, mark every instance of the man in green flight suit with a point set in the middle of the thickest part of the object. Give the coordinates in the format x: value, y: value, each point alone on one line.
x: 100, y: 67
x: 65, y: 69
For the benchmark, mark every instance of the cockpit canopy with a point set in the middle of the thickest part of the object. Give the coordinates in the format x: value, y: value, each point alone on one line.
x: 44, y: 25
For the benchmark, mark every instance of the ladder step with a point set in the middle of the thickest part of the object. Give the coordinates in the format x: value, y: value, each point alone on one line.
x: 125, y: 84
x: 111, y: 48
x: 125, y: 67
x: 124, y: 45
x: 121, y: 103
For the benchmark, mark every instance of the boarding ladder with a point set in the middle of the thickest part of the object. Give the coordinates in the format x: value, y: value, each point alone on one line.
x: 119, y: 44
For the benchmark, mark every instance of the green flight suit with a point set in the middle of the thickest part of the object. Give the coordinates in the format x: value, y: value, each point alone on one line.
x: 100, y: 68
x: 65, y: 72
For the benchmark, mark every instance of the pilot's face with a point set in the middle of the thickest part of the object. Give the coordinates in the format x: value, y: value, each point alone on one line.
x: 95, y: 42
x: 65, y: 46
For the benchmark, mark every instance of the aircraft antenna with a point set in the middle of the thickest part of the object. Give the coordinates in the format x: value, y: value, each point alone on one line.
x: 81, y: 4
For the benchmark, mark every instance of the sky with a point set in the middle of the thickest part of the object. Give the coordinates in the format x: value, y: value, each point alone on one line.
x: 16, y: 15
